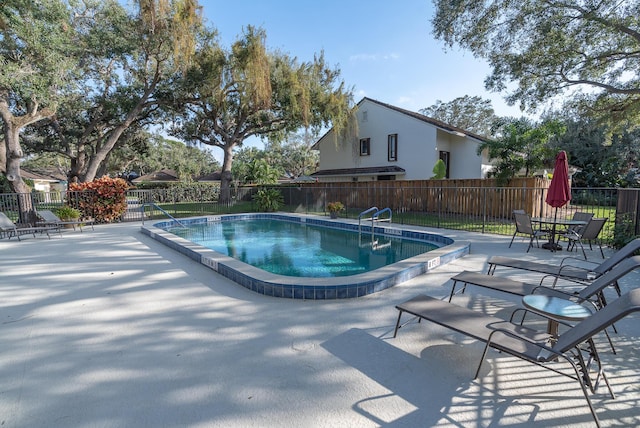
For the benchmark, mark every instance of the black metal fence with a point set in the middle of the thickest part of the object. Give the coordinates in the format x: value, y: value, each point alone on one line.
x: 484, y: 210
x: 21, y: 208
x: 475, y: 209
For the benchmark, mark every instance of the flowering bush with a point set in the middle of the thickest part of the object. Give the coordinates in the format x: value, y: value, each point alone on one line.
x: 334, y: 207
x: 104, y: 198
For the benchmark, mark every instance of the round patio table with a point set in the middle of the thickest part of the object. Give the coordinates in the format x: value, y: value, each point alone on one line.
x: 552, y: 244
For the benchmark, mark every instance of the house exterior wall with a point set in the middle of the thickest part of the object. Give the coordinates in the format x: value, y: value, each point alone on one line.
x: 465, y: 161
x: 418, y: 147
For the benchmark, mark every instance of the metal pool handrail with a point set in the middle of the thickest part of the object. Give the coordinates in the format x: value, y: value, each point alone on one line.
x: 385, y: 210
x: 374, y: 217
x: 151, y: 204
x: 365, y: 212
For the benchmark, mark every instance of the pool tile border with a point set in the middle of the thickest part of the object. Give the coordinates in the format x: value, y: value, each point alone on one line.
x: 288, y: 287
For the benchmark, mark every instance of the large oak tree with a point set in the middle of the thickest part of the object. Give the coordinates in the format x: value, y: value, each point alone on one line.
x: 128, y: 58
x: 36, y: 44
x: 233, y: 94
x: 586, y: 51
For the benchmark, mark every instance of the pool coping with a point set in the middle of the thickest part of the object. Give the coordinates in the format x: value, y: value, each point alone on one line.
x: 331, y: 288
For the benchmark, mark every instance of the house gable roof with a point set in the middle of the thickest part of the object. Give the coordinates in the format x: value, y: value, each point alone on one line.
x: 162, y: 176
x: 421, y: 117
x: 379, y: 170
x: 54, y: 177
x: 429, y: 120
x: 214, y: 176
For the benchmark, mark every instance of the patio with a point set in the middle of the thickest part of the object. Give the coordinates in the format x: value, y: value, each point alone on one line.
x: 110, y: 328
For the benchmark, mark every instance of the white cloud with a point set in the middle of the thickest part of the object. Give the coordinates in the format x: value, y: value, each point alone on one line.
x: 404, y: 102
x: 374, y: 57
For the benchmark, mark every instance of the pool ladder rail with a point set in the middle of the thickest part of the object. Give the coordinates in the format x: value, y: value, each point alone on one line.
x: 152, y: 205
x: 375, y: 244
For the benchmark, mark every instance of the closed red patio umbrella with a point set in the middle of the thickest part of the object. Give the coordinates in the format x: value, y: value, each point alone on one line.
x: 559, y: 192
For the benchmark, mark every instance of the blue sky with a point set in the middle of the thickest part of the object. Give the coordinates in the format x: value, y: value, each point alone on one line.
x: 384, y: 49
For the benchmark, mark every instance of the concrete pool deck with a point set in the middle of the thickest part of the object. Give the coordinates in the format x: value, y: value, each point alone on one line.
x: 109, y: 328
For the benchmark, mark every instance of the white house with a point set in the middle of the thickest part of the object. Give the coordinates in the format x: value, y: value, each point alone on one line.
x: 398, y: 144
x: 46, y: 181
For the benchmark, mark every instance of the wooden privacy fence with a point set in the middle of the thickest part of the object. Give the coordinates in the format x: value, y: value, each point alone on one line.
x: 460, y: 197
x: 628, y: 210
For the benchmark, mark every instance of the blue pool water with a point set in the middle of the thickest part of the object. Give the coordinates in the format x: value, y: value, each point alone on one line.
x: 343, y: 253
x: 299, y: 250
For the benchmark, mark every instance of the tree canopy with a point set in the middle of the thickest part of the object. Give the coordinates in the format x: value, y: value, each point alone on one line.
x: 472, y: 114
x: 599, y: 165
x: 290, y: 158
x: 521, y: 147
x: 188, y: 162
x: 585, y: 51
x: 232, y: 94
x: 118, y: 59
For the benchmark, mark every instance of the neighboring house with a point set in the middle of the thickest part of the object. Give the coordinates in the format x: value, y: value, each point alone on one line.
x: 45, y: 181
x: 162, y: 176
x: 398, y: 144
x: 212, y: 177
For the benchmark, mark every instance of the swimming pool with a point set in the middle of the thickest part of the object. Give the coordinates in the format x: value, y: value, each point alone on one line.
x: 358, y: 279
x: 291, y: 249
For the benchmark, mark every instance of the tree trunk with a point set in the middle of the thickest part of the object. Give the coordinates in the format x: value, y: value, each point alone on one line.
x: 78, y: 164
x: 12, y: 172
x: 103, y: 152
x: 225, y: 177
x: 93, y: 166
x: 11, y: 169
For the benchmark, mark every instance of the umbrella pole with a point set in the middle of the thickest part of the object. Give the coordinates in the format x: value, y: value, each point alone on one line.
x: 551, y: 245
x: 554, y: 245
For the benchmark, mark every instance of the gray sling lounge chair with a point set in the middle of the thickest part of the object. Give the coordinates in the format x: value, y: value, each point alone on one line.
x: 9, y: 228
x: 51, y: 219
x: 565, y: 270
x: 574, y: 346
x: 592, y: 292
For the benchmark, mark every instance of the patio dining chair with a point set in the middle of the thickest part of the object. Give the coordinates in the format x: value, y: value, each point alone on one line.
x: 524, y: 226
x: 588, y: 233
x: 580, y: 216
x: 575, y: 346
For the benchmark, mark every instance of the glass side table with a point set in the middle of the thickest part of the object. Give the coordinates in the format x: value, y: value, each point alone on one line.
x: 555, y: 309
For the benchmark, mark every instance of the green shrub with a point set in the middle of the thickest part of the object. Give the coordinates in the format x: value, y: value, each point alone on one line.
x: 66, y: 212
x: 439, y: 170
x: 623, y: 232
x: 268, y: 200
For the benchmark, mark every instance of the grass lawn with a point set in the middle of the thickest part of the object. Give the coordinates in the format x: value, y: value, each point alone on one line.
x: 444, y: 221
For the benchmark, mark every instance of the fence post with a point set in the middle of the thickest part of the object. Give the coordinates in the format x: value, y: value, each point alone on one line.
x: 484, y: 208
x: 439, y: 204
